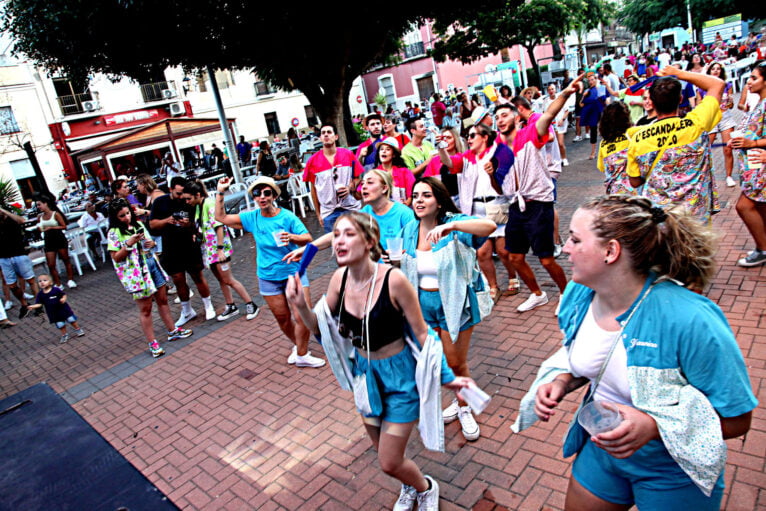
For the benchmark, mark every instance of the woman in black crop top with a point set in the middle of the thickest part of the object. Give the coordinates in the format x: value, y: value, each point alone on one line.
x: 390, y: 363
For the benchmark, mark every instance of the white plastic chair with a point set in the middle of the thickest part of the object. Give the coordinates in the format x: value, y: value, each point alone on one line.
x: 79, y: 246
x: 298, y: 192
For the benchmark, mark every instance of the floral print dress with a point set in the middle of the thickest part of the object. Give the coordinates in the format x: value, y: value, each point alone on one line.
x: 134, y: 272
x: 753, y: 180
x: 208, y: 225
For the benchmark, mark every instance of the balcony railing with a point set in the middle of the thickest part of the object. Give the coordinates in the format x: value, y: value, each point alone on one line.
x: 75, y: 103
x: 158, y: 91
x: 414, y: 50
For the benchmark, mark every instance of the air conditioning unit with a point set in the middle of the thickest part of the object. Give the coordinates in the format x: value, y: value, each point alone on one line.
x: 90, y: 106
x: 168, y: 93
x: 177, y: 109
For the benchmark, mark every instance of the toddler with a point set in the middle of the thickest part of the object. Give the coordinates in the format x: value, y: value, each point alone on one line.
x: 56, y: 307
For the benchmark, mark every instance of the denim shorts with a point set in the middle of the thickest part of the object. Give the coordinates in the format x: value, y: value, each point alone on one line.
x: 433, y: 311
x: 393, y: 379
x: 277, y: 287
x: 650, y: 479
x: 155, y: 272
x: 70, y: 319
x: 15, y: 267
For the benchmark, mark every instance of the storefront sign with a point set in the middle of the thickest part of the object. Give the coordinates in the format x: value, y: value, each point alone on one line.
x: 137, y: 115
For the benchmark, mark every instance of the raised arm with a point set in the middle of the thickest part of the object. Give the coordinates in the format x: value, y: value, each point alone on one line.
x: 712, y: 85
x: 232, y: 221
x: 475, y: 226
x: 13, y: 216
x: 545, y: 120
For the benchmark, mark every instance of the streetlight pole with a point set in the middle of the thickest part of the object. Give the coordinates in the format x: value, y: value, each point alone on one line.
x: 233, y: 157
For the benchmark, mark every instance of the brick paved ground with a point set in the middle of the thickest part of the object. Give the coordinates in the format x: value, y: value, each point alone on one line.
x: 222, y: 422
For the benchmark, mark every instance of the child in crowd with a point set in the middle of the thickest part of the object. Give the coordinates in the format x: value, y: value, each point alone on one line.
x: 56, y: 307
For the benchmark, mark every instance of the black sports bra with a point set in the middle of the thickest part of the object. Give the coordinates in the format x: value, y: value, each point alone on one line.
x: 386, y: 321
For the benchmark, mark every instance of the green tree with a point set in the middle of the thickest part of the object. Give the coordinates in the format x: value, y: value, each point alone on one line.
x: 646, y: 16
x: 487, y: 28
x: 292, y: 46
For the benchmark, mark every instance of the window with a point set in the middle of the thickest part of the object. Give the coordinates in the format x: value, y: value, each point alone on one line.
x: 272, y: 124
x: 224, y: 79
x: 387, y: 84
x: 311, y: 115
x: 413, y: 43
x: 263, y: 89
x: 202, y: 81
x: 8, y: 122
x: 71, y: 96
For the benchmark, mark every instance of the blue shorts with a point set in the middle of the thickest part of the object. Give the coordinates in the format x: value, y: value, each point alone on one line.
x: 650, y: 479
x: 555, y: 190
x: 154, y: 270
x: 393, y: 380
x: 328, y: 222
x: 277, y: 287
x: 433, y: 311
x: 70, y: 319
x: 15, y: 267
x: 532, y: 228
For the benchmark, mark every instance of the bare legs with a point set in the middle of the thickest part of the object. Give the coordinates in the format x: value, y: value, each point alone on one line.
x: 228, y: 282
x: 457, y: 353
x: 390, y: 440
x: 295, y: 330
x: 753, y: 214
x: 50, y: 259
x: 528, y: 276
x: 145, y: 313
x: 487, y: 265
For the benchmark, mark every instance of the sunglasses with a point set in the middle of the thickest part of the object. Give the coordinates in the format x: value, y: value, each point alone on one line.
x: 472, y: 135
x: 266, y: 192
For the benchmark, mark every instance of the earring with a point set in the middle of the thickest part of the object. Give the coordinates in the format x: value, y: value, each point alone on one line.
x: 606, y: 261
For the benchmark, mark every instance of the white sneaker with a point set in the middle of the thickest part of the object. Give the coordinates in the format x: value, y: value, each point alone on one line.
x: 172, y: 290
x: 407, y: 498
x: 468, y: 423
x: 28, y: 296
x: 532, y: 302
x: 558, y: 308
x: 450, y: 413
x: 185, y: 318
x: 71, y: 284
x: 8, y: 305
x: 577, y: 139
x: 210, y: 313
x: 565, y: 162
x: 730, y: 182
x: 308, y: 361
x: 178, y: 298
x: 293, y: 355
x: 557, y: 248
x: 429, y: 499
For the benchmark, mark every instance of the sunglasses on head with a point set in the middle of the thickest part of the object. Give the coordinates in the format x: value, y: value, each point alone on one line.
x: 266, y: 192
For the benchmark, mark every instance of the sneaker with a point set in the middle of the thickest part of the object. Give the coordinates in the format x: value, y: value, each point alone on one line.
x: 172, y: 290
x: 230, y: 312
x: 532, y: 302
x: 754, y: 258
x: 429, y: 499
x: 577, y: 139
x: 468, y: 423
x: 178, y: 298
x: 513, y: 287
x: 293, y: 355
x: 210, y: 313
x: 558, y: 308
x: 251, y: 311
x: 8, y: 305
x: 156, y: 349
x: 64, y: 338
x: 450, y: 413
x: 24, y: 312
x: 308, y: 361
x: 730, y: 182
x: 28, y: 296
x: 179, y: 333
x: 407, y: 498
x: 79, y: 332
x: 557, y: 248
x: 185, y: 318
x: 564, y: 162
x: 71, y: 284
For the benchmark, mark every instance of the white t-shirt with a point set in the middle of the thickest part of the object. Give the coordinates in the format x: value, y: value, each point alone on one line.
x: 591, y: 346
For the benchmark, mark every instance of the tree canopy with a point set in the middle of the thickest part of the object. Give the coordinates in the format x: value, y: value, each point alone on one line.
x: 646, y: 16
x: 309, y: 47
x: 488, y: 28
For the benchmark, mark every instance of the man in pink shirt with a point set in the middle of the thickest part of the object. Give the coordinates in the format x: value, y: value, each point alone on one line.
x: 438, y: 109
x: 333, y: 173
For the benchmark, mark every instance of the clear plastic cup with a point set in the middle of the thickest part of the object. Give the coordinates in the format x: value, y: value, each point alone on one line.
x: 145, y: 244
x: 394, y: 248
x: 476, y: 398
x: 599, y: 417
x: 278, y: 238
x: 752, y: 165
x: 737, y: 134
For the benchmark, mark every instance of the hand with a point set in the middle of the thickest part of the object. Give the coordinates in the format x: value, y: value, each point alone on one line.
x: 635, y: 431
x: 363, y: 152
x: 668, y: 71
x: 756, y: 156
x: 223, y: 184
x: 489, y: 168
x: 740, y: 143
x: 134, y: 239
x: 149, y: 244
x: 294, y: 256
x: 341, y: 192
x: 220, y: 254
x: 548, y: 396
x: 460, y: 382
x: 285, y: 237
x: 294, y: 292
x: 438, y: 232
x: 183, y: 222
x: 62, y: 299
x: 575, y: 86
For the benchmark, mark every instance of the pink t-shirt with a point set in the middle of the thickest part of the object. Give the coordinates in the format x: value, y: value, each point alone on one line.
x: 404, y: 180
x: 530, y: 167
x: 435, y: 165
x: 325, y: 176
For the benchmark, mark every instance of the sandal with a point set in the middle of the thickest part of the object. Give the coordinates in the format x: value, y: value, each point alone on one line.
x: 494, y: 293
x: 7, y: 324
x: 513, y: 287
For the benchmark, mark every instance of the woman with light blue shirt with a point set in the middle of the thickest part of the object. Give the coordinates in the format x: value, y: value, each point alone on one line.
x: 440, y: 261
x: 276, y: 232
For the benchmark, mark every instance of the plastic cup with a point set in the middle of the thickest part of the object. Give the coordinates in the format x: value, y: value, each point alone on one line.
x: 278, y: 238
x: 490, y: 92
x: 737, y: 134
x: 753, y: 165
x: 598, y: 417
x: 145, y: 244
x: 476, y: 398
x: 394, y: 248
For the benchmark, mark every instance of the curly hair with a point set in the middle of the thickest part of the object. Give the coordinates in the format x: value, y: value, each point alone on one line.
x: 615, y: 121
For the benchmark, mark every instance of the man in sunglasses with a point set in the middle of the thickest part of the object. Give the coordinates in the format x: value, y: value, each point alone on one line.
x: 334, y: 173
x: 175, y: 221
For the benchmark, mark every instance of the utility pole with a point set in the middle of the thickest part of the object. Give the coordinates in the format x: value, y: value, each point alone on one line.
x: 233, y: 160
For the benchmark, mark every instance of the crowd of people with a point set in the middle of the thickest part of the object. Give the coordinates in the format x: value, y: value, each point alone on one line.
x: 413, y: 227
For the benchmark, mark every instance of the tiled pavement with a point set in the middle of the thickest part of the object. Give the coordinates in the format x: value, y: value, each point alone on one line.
x: 222, y: 422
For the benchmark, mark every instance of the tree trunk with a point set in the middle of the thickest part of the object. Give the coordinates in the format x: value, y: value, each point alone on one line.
x: 329, y: 101
x: 531, y: 51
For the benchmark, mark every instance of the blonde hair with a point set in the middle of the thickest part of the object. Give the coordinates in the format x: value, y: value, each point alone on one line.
x: 367, y: 227
x: 669, y: 242
x: 385, y: 177
x: 147, y: 181
x: 459, y: 145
